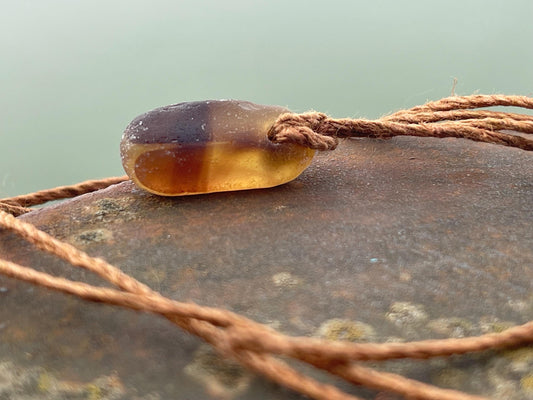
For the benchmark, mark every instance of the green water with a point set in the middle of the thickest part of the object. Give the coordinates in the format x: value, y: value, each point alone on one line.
x: 74, y: 73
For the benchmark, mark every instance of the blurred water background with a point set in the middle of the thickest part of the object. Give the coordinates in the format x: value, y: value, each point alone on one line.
x: 73, y: 73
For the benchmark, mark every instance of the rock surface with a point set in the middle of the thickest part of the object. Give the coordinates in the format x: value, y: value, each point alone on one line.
x: 378, y: 240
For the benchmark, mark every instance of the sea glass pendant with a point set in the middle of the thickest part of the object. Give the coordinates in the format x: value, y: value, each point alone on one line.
x: 209, y: 146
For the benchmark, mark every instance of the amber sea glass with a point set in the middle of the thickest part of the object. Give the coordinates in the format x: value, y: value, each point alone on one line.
x: 209, y: 146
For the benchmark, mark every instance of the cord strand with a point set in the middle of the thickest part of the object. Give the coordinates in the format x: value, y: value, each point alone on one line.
x: 450, y: 117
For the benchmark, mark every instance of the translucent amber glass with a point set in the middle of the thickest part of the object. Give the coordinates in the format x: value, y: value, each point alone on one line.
x: 209, y: 146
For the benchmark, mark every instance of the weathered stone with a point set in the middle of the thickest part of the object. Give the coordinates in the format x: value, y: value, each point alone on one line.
x: 444, y: 225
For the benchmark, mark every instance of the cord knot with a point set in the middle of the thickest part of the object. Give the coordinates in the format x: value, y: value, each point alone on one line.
x: 308, y: 129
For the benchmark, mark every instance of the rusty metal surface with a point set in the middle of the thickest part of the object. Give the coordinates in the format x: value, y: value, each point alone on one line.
x: 379, y: 240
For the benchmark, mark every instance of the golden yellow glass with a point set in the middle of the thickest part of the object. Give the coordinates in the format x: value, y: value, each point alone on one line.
x: 209, y: 146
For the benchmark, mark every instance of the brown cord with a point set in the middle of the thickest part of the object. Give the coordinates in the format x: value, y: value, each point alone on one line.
x: 62, y: 192
x: 257, y: 346
x: 450, y: 117
x: 218, y: 327
x: 14, y: 210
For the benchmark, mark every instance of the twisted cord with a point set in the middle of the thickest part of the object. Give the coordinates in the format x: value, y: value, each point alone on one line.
x: 208, y: 322
x: 14, y: 210
x: 61, y: 192
x: 450, y: 117
x: 473, y: 101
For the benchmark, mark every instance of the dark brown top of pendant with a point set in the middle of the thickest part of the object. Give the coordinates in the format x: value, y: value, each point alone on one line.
x: 177, y: 123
